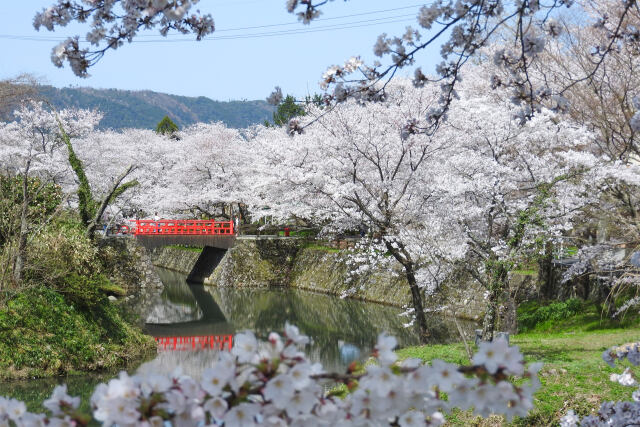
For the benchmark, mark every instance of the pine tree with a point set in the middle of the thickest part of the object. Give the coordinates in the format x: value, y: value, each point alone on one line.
x: 287, y: 109
x: 167, y: 127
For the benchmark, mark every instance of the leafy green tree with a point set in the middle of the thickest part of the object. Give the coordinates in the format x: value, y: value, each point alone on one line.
x: 166, y: 126
x: 287, y: 109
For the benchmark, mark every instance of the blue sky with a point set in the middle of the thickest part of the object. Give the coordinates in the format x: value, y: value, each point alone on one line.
x: 238, y: 63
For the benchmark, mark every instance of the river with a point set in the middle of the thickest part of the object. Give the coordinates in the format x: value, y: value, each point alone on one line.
x: 341, y: 330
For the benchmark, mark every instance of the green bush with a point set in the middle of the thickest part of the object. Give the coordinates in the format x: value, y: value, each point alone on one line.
x: 532, y: 314
x: 85, y: 292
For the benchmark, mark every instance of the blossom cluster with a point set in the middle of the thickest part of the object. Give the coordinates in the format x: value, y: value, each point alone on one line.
x: 612, y: 266
x: 273, y: 383
x: 113, y: 27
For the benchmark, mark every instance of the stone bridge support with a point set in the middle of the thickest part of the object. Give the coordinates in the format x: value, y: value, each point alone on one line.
x: 208, y: 260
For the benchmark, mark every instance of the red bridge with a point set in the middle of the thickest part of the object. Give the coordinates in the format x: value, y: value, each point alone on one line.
x: 196, y: 227
x: 215, y: 237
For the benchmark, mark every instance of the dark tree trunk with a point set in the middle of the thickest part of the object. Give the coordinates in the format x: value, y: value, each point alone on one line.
x: 545, y: 273
x: 402, y: 256
x: 490, y: 319
x: 416, y: 299
x: 510, y: 319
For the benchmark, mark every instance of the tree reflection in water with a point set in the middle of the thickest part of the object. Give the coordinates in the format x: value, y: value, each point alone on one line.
x: 341, y: 330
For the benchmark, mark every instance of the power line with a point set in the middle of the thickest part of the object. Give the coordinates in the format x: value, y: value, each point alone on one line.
x: 320, y: 19
x: 344, y: 25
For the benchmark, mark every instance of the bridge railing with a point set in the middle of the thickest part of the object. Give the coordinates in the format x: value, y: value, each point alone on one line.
x: 182, y: 227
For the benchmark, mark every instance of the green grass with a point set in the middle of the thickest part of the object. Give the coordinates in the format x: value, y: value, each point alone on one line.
x: 112, y: 289
x: 43, y: 334
x: 574, y: 375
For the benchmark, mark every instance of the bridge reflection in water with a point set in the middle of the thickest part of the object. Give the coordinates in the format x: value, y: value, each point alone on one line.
x: 341, y: 330
x: 211, y: 342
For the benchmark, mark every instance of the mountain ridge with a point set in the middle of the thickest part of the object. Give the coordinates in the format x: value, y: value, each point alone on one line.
x: 145, y: 108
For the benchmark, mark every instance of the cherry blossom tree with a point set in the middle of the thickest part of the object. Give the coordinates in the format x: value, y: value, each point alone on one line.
x: 211, y: 164
x: 463, y: 29
x: 106, y: 154
x: 191, y: 174
x: 33, y: 146
x: 364, y: 165
x: 606, y: 104
x: 604, y: 101
x: 114, y: 22
x: 481, y: 193
x: 516, y: 185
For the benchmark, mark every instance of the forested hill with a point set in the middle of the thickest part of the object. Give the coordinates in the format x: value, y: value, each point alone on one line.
x: 144, y: 109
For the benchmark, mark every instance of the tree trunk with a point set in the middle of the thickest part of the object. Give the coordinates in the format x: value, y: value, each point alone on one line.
x: 91, y: 227
x: 510, y: 320
x: 402, y: 256
x: 497, y: 276
x: 490, y: 318
x: 416, y: 299
x: 545, y: 273
x: 21, y: 254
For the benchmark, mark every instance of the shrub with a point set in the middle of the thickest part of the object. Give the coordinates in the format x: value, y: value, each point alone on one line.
x: 532, y: 314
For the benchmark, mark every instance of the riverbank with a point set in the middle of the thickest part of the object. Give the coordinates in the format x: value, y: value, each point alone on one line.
x: 574, y: 376
x: 315, y: 266
x: 43, y: 335
x: 64, y: 317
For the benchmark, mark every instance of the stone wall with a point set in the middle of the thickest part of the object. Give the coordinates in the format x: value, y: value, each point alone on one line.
x: 143, y: 285
x: 175, y: 259
x: 288, y: 262
x: 136, y: 270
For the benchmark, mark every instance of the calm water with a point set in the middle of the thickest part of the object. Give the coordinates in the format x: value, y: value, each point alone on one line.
x: 341, y: 330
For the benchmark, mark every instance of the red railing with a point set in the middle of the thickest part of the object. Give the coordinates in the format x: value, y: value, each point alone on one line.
x: 216, y: 342
x: 183, y: 226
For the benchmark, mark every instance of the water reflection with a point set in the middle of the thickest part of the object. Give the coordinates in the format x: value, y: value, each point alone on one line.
x: 341, y: 330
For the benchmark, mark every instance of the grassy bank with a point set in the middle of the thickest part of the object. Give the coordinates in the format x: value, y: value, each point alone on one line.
x: 42, y: 334
x: 58, y: 319
x: 574, y: 375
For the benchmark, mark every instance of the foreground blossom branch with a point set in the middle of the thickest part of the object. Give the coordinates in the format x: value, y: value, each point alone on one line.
x: 273, y: 383
x: 115, y: 22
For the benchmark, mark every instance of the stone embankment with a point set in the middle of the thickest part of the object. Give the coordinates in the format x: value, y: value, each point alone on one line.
x: 300, y: 264
x: 144, y: 286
